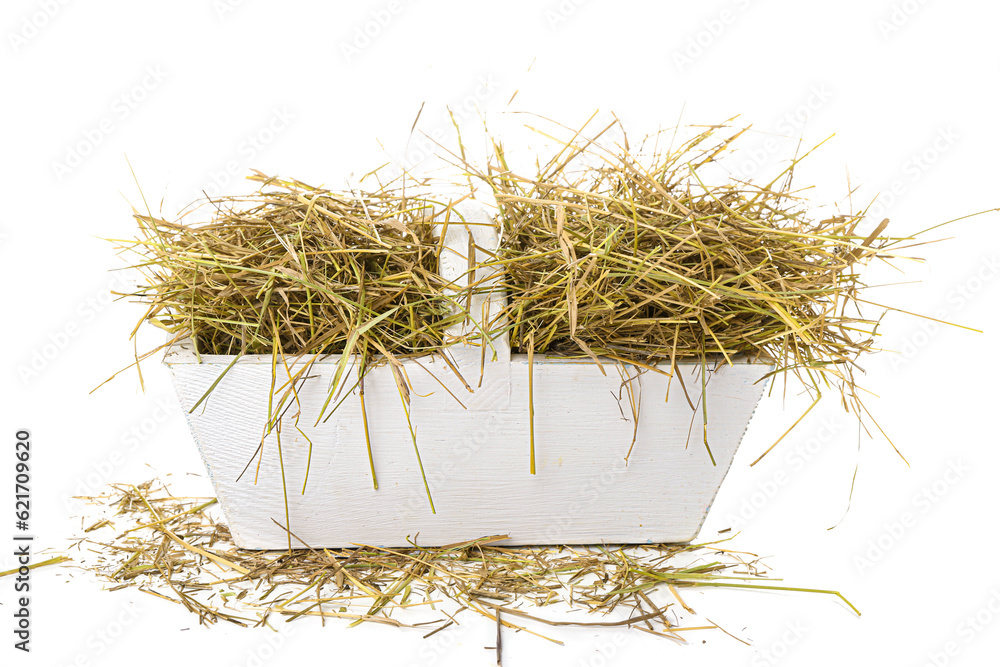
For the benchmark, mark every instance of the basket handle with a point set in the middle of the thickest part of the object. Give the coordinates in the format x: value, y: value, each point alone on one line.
x: 471, y: 236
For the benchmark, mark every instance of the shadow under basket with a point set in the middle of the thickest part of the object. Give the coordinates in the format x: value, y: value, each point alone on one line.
x: 476, y: 454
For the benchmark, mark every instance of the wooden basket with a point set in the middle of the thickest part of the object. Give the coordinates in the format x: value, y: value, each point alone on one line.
x: 475, y: 454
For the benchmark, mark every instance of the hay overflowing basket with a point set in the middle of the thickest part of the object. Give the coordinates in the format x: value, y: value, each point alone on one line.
x: 572, y: 357
x: 475, y: 417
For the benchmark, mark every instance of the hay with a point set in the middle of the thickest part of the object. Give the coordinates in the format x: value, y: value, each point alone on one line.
x: 300, y: 270
x: 295, y: 270
x: 140, y: 536
x: 641, y: 257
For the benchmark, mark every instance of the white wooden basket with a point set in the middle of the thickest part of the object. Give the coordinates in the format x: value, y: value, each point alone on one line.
x: 475, y: 454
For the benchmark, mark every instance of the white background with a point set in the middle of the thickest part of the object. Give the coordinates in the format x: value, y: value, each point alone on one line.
x: 909, y: 88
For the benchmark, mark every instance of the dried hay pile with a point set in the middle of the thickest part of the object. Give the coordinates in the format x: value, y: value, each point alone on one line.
x: 607, y: 253
x: 297, y: 269
x: 640, y: 257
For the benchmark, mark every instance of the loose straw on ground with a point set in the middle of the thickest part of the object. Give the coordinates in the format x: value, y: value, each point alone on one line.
x: 172, y: 547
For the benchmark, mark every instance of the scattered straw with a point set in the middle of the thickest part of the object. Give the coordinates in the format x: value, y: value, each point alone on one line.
x: 173, y: 548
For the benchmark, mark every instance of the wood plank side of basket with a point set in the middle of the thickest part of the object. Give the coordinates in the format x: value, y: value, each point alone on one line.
x: 475, y: 454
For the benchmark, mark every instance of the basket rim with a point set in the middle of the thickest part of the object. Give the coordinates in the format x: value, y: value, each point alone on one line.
x: 183, y: 352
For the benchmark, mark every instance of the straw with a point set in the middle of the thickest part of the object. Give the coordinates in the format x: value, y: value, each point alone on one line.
x: 311, y: 270
x: 297, y: 270
x: 173, y: 547
x: 647, y: 257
